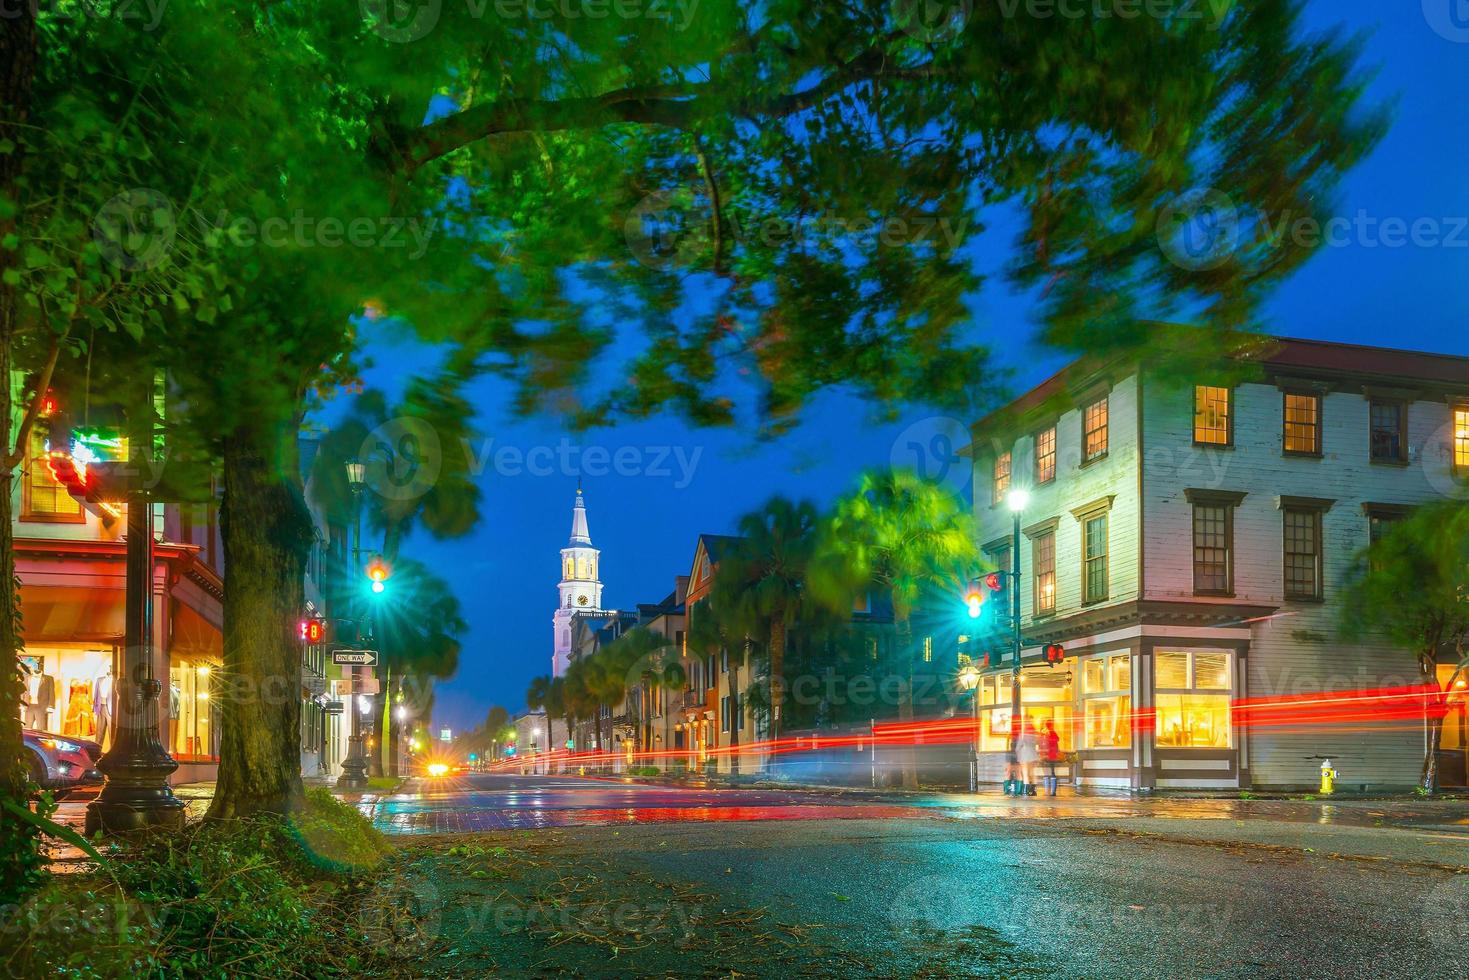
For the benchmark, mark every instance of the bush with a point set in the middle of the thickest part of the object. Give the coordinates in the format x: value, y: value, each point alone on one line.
x: 643, y: 771
x: 254, y: 896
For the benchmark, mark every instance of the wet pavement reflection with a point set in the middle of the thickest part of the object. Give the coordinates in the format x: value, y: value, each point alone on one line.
x: 469, y: 803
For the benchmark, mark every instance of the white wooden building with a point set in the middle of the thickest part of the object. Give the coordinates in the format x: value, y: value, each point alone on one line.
x: 1187, y: 541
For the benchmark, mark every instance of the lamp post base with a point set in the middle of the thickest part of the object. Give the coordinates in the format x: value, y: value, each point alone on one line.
x: 354, y: 767
x: 136, y: 798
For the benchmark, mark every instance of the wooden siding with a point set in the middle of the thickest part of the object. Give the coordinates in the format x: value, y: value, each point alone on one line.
x: 1075, y: 485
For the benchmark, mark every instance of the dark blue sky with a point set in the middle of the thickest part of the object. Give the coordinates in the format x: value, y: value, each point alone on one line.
x: 646, y: 521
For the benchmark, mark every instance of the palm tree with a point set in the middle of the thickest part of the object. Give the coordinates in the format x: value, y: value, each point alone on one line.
x: 761, y: 581
x: 638, y: 656
x: 549, y: 694
x: 903, y: 536
x: 713, y: 627
x: 416, y: 625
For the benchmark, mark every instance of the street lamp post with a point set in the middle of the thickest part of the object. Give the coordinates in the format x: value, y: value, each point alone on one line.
x: 1017, y: 499
x: 354, y: 767
x: 969, y: 680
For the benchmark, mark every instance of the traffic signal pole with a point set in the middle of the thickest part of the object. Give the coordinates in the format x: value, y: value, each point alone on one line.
x: 1016, y: 643
x: 354, y: 766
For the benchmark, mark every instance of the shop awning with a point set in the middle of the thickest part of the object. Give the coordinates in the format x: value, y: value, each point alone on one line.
x: 195, y: 636
x: 71, y: 613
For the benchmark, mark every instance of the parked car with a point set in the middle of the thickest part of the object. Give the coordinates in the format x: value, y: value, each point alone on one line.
x: 62, y: 763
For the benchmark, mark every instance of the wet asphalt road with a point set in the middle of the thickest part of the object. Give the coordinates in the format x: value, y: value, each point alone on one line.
x: 1103, y: 888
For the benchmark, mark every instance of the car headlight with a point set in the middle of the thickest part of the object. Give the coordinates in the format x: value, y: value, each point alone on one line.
x: 437, y: 769
x: 60, y: 745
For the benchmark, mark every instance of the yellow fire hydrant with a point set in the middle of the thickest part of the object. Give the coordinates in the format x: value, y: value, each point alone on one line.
x: 1328, y: 778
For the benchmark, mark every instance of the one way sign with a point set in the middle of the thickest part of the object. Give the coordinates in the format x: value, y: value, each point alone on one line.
x: 360, y: 658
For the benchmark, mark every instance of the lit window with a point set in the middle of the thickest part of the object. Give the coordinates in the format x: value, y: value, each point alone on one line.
x: 1302, y: 553
x: 1187, y: 716
x: 1094, y: 560
x: 1043, y: 560
x: 1387, y: 431
x: 1461, y: 440
x: 1045, y: 455
x: 1211, y: 416
x: 45, y: 499
x: 928, y: 649
x: 1107, y: 701
x: 1213, y: 534
x: 1302, y: 425
x: 1094, y: 429
x: 1002, y: 476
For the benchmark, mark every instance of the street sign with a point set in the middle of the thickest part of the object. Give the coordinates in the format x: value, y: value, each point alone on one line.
x: 333, y: 707
x: 361, y: 658
x: 445, y: 735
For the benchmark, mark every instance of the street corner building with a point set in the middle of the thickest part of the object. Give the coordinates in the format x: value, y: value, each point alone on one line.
x: 70, y: 561
x: 1187, y: 541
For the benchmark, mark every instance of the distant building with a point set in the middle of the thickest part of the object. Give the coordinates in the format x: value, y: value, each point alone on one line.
x: 580, y: 589
x: 1187, y: 540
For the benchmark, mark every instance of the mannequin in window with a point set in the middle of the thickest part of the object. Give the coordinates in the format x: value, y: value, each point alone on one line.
x: 102, y: 702
x: 79, y: 718
x: 40, y: 694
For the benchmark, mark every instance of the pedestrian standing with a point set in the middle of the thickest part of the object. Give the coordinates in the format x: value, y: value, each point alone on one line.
x: 1027, y: 753
x: 1050, y: 750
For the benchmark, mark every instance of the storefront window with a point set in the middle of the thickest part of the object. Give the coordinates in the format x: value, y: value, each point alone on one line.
x: 1187, y: 717
x: 69, y: 692
x: 1045, y: 699
x: 190, y: 711
x: 1107, y: 701
x: 1456, y: 721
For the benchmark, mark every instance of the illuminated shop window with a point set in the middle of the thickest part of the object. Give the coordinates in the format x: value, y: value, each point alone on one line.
x: 1191, y: 698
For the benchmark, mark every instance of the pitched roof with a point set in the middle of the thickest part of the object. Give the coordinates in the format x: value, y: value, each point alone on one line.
x: 1322, y: 357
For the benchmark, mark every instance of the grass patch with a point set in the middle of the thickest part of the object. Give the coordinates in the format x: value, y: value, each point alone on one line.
x: 384, y: 784
x: 256, y: 896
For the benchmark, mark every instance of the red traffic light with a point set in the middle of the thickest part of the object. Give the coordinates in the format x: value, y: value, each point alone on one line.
x: 994, y: 581
x: 1055, y: 653
x: 313, y: 630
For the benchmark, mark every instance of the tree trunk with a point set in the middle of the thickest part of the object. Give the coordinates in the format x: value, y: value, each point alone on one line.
x: 1433, y: 722
x: 20, y: 861
x: 777, y: 674
x: 267, y: 537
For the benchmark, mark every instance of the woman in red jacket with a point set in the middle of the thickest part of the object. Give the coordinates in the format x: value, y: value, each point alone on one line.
x: 1050, y: 751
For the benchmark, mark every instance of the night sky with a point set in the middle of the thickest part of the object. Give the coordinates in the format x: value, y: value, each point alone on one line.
x: 677, y: 482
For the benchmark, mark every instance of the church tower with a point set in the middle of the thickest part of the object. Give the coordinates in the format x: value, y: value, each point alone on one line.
x: 580, y: 589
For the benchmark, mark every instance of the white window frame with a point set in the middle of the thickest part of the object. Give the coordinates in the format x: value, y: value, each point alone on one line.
x: 1191, y: 675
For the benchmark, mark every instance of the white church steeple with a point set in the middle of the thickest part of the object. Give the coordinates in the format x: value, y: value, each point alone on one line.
x: 580, y: 589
